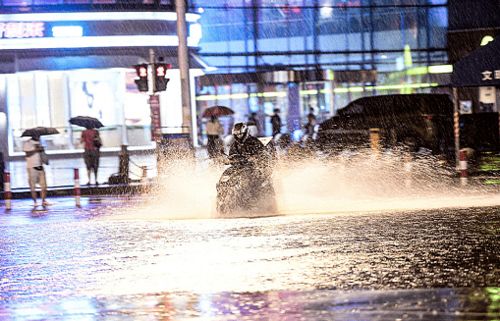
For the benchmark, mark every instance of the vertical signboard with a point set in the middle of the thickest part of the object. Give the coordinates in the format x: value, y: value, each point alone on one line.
x: 487, y: 99
x: 154, y: 103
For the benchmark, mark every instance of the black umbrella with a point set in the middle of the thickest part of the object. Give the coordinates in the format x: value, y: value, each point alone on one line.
x: 39, y: 131
x: 86, y: 121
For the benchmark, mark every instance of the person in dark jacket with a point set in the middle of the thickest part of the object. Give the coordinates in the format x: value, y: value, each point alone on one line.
x: 250, y: 150
x: 311, y: 122
x: 276, y: 122
x: 245, y: 145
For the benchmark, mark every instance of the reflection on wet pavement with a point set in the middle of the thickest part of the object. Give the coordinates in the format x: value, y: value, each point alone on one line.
x: 437, y: 304
x: 72, y: 264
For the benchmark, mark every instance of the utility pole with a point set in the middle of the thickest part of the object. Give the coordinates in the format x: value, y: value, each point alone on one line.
x: 183, y: 57
x: 154, y: 101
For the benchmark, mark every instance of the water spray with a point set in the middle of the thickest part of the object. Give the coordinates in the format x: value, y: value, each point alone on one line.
x: 351, y: 181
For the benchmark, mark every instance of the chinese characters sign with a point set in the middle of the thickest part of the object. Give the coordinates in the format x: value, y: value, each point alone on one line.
x: 490, y: 75
x: 10, y: 30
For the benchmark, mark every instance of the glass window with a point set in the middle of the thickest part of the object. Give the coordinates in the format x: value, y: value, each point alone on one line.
x: 137, y: 113
x: 37, y: 99
x: 21, y: 3
x: 299, y: 34
x: 397, y: 2
x: 47, y: 2
x: 219, y: 3
x: 99, y: 94
x: 438, y: 17
x: 77, y: 1
x: 386, y: 18
x: 283, y: 22
x: 224, y: 24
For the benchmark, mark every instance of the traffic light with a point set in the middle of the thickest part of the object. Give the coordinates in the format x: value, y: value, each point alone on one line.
x: 142, y: 74
x: 160, y: 73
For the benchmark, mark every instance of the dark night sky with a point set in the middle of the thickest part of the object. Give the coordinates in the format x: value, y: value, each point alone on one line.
x: 473, y: 14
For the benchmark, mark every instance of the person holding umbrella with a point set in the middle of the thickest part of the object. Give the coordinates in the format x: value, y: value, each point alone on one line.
x: 35, y: 158
x: 92, y: 143
x: 214, y: 128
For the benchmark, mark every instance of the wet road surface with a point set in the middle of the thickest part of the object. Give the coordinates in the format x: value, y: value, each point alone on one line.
x: 82, y: 264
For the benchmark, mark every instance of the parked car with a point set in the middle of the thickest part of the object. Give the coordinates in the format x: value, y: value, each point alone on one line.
x: 415, y: 120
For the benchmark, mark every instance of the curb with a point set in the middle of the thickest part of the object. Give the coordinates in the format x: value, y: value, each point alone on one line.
x: 122, y: 189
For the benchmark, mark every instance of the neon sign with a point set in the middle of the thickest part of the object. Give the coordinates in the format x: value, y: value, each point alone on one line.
x: 67, y: 31
x: 11, y: 30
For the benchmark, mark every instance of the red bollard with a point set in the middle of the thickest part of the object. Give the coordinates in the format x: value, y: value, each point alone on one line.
x: 7, y: 193
x: 463, y: 167
x: 76, y: 175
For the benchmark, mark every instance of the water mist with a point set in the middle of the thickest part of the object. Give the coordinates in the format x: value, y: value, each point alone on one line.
x: 359, y: 181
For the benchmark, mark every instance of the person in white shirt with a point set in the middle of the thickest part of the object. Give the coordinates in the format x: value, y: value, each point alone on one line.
x: 36, y: 172
x: 214, y: 131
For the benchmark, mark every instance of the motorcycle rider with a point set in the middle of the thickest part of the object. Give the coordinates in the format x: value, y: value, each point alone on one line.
x: 247, y: 148
x: 245, y: 145
x: 249, y: 175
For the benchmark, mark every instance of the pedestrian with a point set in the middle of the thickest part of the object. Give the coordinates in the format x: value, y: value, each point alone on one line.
x: 311, y: 117
x: 124, y: 165
x: 35, y: 158
x: 214, y: 130
x: 309, y: 126
x: 253, y: 125
x: 91, y: 144
x: 276, y: 122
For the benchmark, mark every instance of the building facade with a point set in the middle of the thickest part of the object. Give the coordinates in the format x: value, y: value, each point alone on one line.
x: 339, y: 50
x: 65, y: 58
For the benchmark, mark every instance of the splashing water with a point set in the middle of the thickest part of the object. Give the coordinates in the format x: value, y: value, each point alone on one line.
x: 350, y: 182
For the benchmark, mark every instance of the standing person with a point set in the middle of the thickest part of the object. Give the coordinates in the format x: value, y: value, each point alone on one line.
x: 311, y: 123
x: 276, y: 122
x: 36, y: 172
x: 124, y: 165
x: 214, y: 130
x: 253, y: 125
x: 311, y: 117
x: 91, y: 145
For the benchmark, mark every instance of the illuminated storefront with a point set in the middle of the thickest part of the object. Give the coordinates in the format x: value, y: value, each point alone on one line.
x: 60, y: 59
x: 368, y: 46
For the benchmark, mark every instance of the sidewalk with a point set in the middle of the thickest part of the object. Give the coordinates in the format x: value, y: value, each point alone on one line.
x: 62, y: 209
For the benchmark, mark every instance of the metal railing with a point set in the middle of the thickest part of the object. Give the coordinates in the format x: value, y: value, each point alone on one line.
x: 69, y: 137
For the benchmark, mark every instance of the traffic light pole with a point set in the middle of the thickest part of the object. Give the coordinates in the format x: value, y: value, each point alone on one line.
x: 183, y: 57
x: 154, y: 101
x: 152, y: 60
x: 154, y: 105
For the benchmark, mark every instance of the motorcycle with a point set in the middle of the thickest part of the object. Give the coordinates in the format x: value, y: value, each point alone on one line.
x: 245, y: 188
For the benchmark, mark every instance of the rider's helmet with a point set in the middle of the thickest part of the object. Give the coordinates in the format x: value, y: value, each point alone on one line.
x: 240, y: 131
